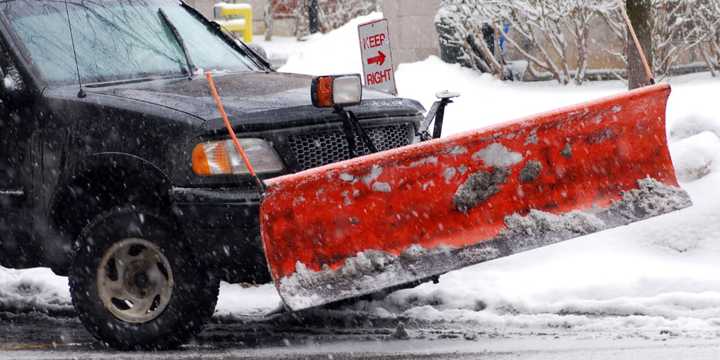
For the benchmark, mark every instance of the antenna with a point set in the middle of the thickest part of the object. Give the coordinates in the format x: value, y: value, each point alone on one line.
x: 81, y: 94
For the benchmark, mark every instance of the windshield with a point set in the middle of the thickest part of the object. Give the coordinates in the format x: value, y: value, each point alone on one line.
x: 117, y: 39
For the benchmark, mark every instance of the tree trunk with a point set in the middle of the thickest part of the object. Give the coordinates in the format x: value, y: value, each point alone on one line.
x: 313, y: 16
x: 640, y: 13
x: 269, y: 21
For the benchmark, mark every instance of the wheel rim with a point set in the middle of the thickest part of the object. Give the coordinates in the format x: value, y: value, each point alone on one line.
x: 135, y: 281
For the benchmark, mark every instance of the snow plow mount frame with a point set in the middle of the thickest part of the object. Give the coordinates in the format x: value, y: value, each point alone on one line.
x: 351, y: 128
x: 436, y: 113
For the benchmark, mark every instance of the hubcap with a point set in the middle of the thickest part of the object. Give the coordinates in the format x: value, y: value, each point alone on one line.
x: 135, y: 281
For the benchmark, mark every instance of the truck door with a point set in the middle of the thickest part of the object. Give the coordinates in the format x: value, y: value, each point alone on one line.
x: 11, y: 190
x: 17, y: 123
x: 12, y: 141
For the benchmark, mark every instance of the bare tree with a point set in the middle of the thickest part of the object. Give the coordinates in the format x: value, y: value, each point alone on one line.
x: 707, y: 21
x: 552, y: 29
x: 669, y: 41
x: 554, y: 36
x: 680, y: 28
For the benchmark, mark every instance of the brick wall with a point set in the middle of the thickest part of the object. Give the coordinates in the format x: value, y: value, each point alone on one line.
x: 412, y: 29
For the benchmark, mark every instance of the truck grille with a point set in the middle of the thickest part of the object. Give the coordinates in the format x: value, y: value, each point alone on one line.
x: 324, y: 147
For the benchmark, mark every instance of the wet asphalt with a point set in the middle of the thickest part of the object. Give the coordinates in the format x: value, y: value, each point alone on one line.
x: 344, y: 335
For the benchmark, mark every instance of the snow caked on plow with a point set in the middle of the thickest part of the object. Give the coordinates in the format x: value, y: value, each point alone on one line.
x: 410, y: 214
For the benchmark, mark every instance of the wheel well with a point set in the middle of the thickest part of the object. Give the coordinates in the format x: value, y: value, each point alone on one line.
x: 102, y: 184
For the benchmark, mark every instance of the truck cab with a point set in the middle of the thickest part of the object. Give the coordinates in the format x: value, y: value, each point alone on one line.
x: 115, y: 167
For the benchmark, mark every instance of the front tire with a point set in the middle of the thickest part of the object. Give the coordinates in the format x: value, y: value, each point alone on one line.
x: 135, y: 285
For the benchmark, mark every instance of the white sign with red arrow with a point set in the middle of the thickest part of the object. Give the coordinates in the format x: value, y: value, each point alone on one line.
x: 376, y: 56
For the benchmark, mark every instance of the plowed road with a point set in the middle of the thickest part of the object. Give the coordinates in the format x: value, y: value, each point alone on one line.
x: 344, y: 336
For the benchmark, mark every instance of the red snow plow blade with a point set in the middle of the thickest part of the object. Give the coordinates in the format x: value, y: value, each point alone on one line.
x: 410, y: 214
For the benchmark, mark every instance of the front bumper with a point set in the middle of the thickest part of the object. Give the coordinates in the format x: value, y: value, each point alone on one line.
x: 222, y: 226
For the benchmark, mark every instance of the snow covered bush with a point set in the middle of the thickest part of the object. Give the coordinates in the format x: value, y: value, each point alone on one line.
x: 696, y: 157
x: 707, y: 20
x: 687, y: 27
x: 683, y: 31
x: 543, y: 32
x: 463, y: 41
x: 554, y: 36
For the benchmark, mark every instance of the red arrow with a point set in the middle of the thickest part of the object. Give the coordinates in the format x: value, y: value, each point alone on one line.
x: 380, y: 59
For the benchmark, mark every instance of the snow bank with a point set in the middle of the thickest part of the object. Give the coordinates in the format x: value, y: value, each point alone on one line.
x: 487, y: 101
x: 337, y: 52
x: 33, y: 290
x: 692, y: 107
x: 696, y: 156
x: 40, y: 290
x: 236, y: 300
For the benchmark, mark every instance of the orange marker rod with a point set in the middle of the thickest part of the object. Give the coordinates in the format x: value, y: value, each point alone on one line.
x: 231, y: 131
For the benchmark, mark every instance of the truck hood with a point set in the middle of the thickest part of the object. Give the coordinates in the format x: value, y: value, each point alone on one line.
x: 256, y: 101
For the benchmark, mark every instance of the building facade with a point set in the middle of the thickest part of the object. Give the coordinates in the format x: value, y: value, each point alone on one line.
x: 412, y: 29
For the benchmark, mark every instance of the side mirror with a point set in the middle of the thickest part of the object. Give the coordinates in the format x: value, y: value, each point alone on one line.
x: 9, y: 85
x: 336, y: 91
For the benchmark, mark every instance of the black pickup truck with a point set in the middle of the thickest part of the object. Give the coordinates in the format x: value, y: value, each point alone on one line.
x: 115, y: 165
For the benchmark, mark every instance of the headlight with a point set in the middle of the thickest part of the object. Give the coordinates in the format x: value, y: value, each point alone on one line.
x: 221, y: 158
x: 336, y: 90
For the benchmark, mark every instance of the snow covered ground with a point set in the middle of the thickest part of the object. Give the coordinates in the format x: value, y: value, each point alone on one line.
x: 659, y: 276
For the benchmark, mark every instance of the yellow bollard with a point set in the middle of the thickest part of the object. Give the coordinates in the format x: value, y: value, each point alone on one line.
x: 235, y: 18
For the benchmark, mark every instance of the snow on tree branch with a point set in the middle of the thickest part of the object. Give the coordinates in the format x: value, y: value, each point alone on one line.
x: 554, y: 36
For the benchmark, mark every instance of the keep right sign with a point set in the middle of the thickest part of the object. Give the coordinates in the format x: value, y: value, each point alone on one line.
x: 376, y: 56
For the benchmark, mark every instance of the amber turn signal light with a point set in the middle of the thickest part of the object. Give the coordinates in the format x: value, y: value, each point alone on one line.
x: 337, y: 90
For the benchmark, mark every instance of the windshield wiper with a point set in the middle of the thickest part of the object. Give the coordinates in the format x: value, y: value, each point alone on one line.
x: 217, y: 29
x: 188, y: 60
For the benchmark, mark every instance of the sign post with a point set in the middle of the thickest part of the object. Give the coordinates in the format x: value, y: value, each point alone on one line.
x: 377, y: 56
